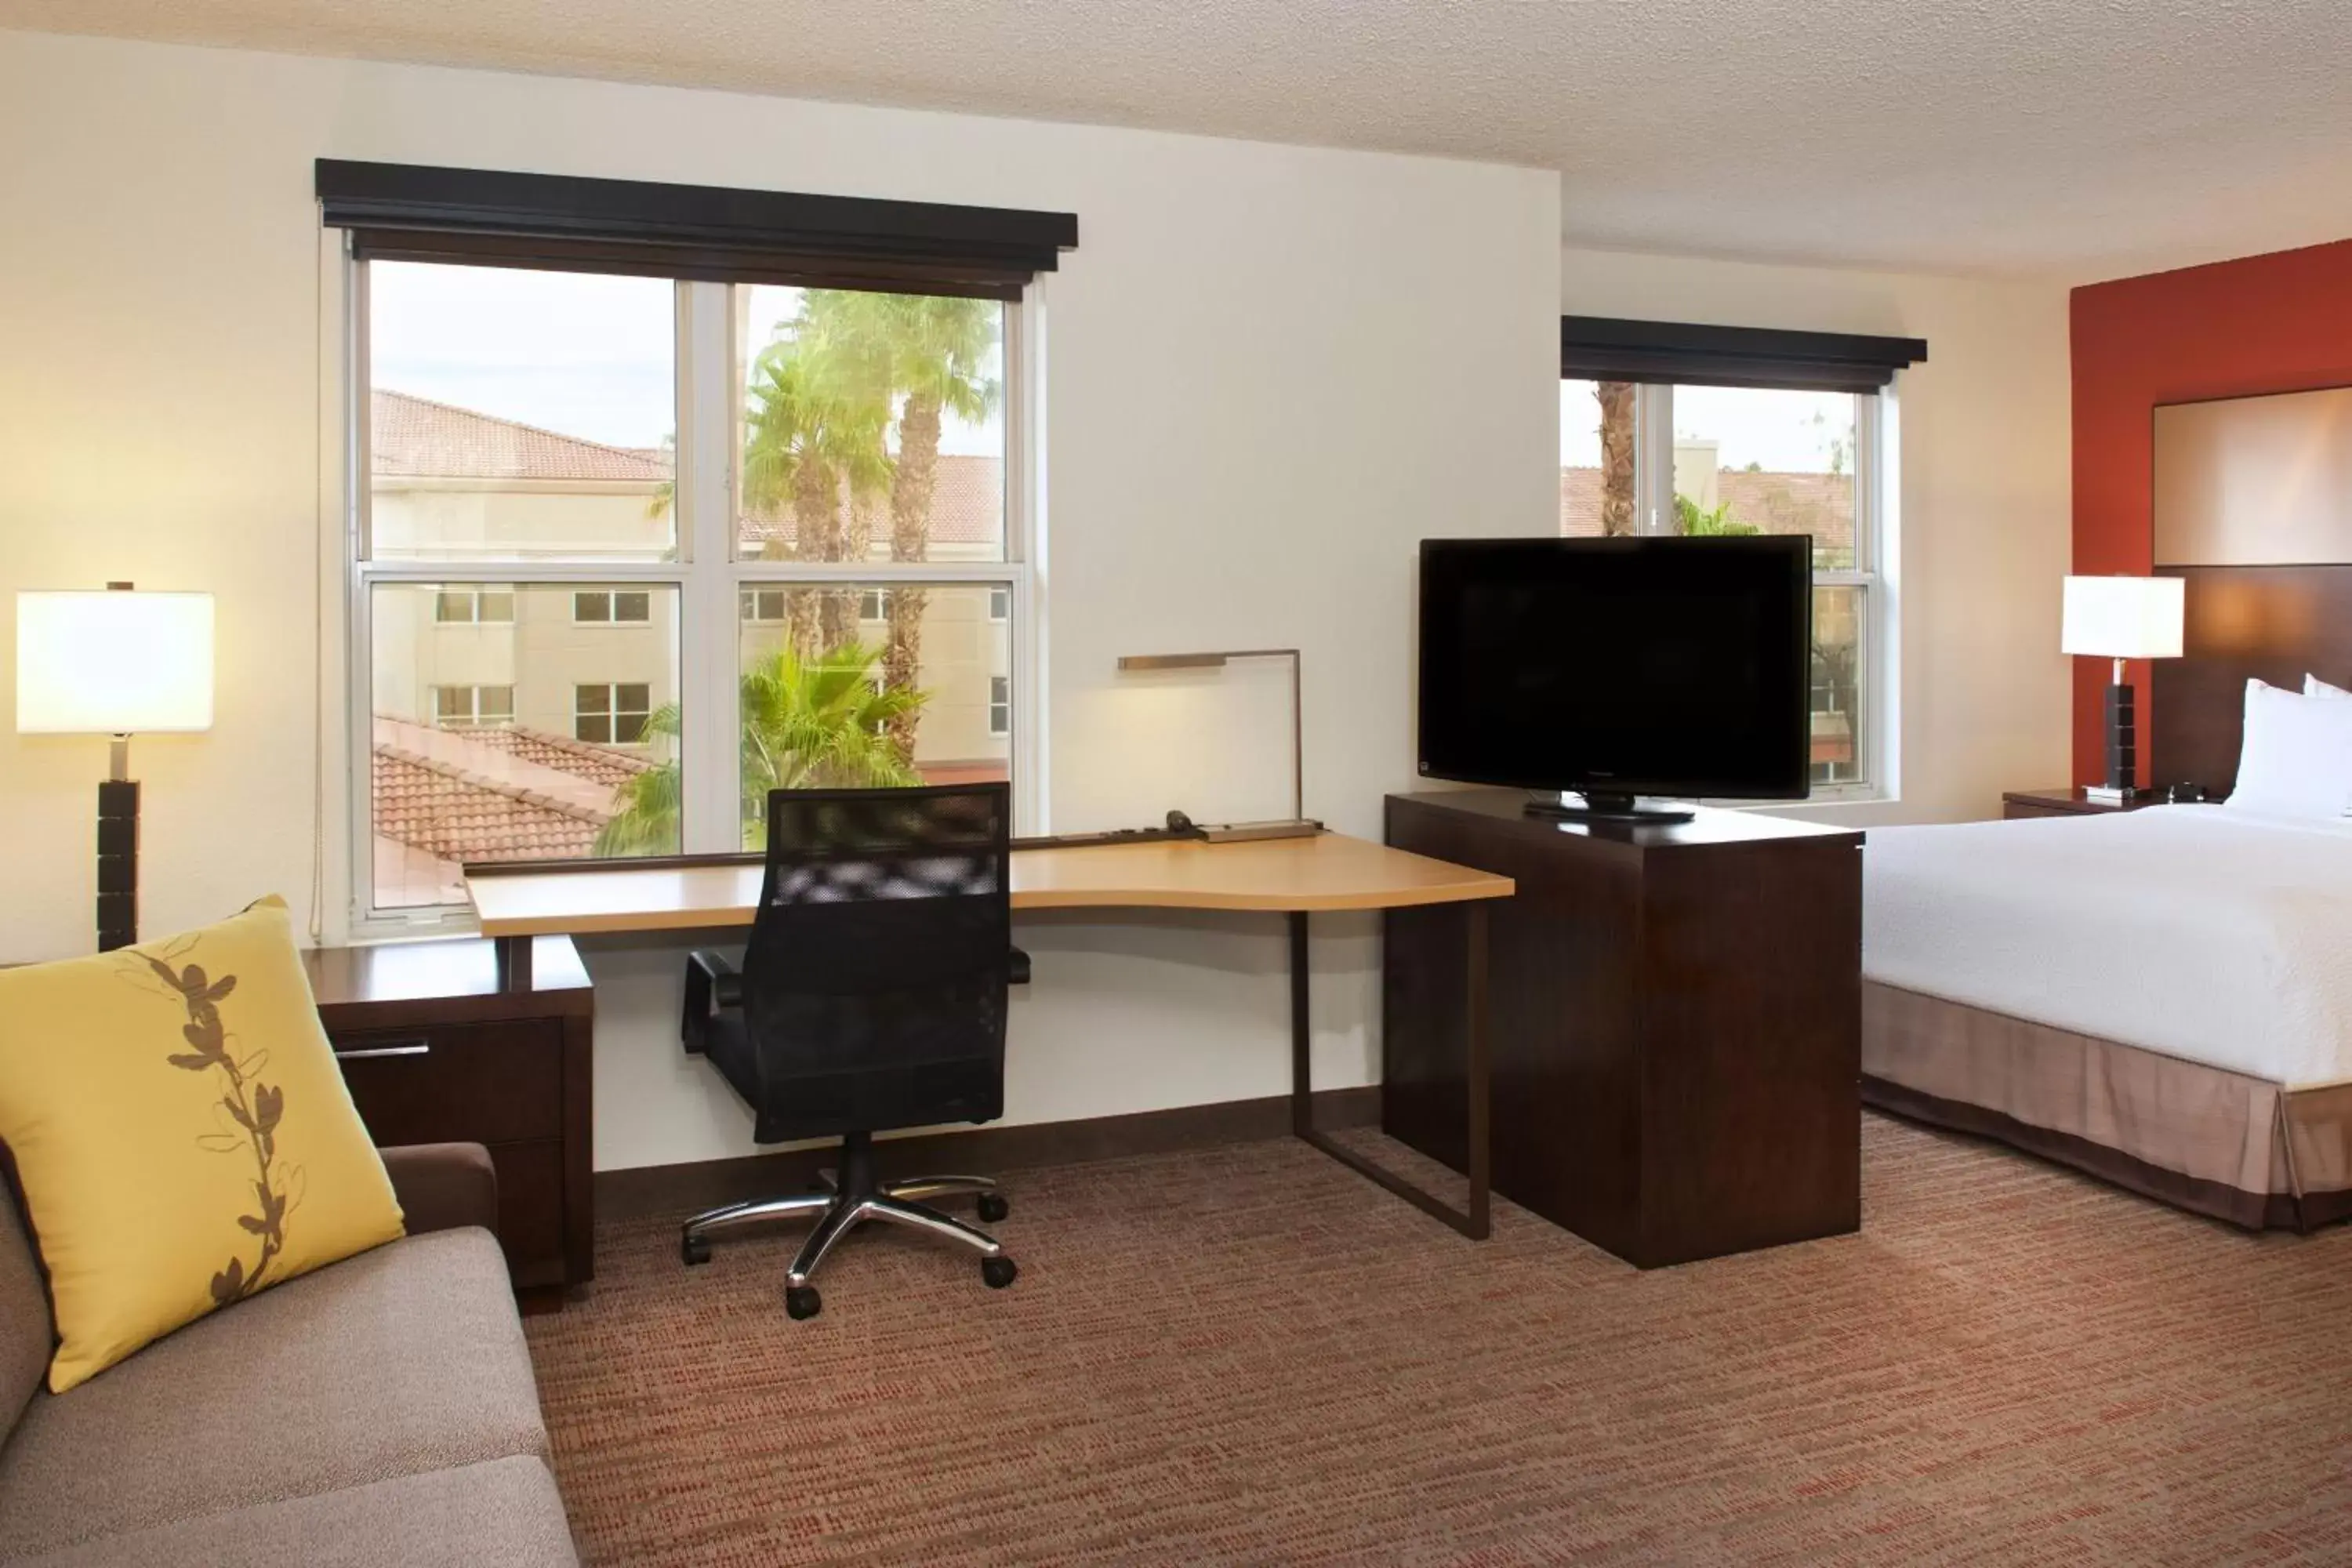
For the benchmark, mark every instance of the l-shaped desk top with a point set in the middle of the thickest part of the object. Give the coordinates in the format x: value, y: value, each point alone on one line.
x: 1329, y: 872
x: 1294, y: 876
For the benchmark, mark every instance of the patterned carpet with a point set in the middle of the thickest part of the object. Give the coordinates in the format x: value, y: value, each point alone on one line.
x: 1254, y: 1356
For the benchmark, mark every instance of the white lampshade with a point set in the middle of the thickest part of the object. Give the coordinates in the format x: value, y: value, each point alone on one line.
x: 113, y: 662
x: 2123, y: 617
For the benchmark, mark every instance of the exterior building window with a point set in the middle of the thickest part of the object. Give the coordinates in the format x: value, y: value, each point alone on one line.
x: 526, y: 461
x: 602, y: 607
x: 466, y: 707
x: 1697, y: 460
x: 613, y: 715
x: 469, y: 607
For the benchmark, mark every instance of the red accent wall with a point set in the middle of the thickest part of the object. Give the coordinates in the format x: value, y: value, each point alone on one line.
x: 2281, y: 322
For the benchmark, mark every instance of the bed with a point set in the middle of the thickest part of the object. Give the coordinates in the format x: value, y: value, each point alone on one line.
x: 2162, y: 997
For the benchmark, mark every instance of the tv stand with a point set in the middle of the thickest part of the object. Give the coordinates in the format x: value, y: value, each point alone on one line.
x: 1675, y: 1016
x: 1604, y: 806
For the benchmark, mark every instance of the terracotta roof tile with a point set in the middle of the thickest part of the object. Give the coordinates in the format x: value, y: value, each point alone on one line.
x: 452, y: 818
x: 1818, y: 504
x: 414, y: 438
x: 967, y: 507
x: 597, y: 764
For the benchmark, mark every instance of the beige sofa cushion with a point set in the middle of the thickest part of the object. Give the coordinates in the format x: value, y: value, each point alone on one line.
x: 25, y: 1336
x: 404, y: 1359
x: 505, y: 1512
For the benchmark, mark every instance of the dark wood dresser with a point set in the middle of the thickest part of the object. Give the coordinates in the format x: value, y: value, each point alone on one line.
x: 2066, y: 801
x: 1675, y: 1022
x: 434, y: 1052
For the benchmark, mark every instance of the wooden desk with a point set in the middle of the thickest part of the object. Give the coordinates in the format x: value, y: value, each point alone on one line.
x: 1292, y: 876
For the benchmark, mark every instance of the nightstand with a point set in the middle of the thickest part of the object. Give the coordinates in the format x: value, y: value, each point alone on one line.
x: 2018, y: 803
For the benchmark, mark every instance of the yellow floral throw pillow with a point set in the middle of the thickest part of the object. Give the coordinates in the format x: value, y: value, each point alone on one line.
x: 181, y: 1133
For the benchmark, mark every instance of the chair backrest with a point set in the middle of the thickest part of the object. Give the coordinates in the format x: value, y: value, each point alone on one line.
x: 874, y: 981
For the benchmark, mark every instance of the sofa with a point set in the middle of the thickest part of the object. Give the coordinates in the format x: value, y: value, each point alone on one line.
x: 380, y: 1411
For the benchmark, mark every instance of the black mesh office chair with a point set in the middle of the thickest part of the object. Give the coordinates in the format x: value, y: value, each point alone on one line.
x: 871, y: 997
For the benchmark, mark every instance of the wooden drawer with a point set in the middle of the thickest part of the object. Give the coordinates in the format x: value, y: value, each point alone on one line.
x: 445, y: 1083
x: 2012, y: 810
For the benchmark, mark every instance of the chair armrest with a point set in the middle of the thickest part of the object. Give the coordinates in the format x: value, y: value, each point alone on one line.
x: 443, y: 1186
x: 1017, y: 972
x: 712, y: 984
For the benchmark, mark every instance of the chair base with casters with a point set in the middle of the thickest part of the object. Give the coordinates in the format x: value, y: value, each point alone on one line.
x: 848, y: 1200
x: 713, y: 1027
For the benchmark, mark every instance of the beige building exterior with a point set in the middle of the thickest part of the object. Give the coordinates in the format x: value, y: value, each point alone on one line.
x: 509, y: 715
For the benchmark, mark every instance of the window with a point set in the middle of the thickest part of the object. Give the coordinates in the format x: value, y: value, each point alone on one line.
x: 473, y: 606
x: 1704, y: 460
x: 602, y: 607
x: 464, y: 707
x: 611, y: 715
x: 548, y: 460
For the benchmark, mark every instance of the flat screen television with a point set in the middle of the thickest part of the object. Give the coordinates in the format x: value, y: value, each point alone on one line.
x: 1618, y: 667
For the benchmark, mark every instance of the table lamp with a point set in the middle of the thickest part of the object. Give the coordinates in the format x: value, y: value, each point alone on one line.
x: 2122, y: 619
x: 114, y: 663
x: 1297, y: 824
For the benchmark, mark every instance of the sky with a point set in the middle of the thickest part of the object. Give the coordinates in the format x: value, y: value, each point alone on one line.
x: 1780, y: 432
x: 570, y: 351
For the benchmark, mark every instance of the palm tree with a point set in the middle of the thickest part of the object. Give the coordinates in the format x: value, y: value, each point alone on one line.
x: 1696, y: 524
x: 1616, y: 400
x: 815, y: 430
x: 932, y: 355
x: 817, y: 722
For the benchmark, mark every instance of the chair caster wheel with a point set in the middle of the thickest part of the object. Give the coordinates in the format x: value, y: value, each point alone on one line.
x: 694, y: 1249
x: 997, y: 1271
x: 993, y: 1207
x: 802, y: 1302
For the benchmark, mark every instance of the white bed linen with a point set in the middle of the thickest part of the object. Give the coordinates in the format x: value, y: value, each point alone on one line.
x: 2216, y: 935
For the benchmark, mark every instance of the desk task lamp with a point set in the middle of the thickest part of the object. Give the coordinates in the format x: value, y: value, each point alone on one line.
x: 114, y: 663
x: 2122, y: 619
x: 1296, y: 825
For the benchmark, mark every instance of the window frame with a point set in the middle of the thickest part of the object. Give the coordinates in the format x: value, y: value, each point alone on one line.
x: 1000, y: 684
x: 704, y: 571
x: 473, y: 597
x: 1873, y: 574
x: 612, y: 615
x: 473, y: 718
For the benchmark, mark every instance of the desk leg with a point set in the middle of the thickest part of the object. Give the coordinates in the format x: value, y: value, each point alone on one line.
x: 513, y: 956
x: 1474, y: 1223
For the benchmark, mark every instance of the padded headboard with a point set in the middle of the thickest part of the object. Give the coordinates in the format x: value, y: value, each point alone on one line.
x: 2271, y: 623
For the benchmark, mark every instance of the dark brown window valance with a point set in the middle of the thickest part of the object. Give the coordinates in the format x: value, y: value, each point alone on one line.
x: 410, y: 212
x: 1602, y: 347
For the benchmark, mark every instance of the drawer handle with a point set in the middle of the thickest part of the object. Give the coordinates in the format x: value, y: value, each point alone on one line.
x: 370, y: 1053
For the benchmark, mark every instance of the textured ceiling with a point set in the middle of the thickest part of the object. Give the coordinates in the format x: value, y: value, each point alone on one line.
x: 2077, y: 137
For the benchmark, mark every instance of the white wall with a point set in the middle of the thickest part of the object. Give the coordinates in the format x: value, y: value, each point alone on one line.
x: 1985, y: 498
x: 1269, y: 371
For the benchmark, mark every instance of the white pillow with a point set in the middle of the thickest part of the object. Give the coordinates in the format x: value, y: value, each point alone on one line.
x: 2314, y: 687
x: 2297, y: 759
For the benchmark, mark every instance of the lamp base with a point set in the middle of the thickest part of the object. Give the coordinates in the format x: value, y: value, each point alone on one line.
x: 2122, y: 738
x: 118, y: 864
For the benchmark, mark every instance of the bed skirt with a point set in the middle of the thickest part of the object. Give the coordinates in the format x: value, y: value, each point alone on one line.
x: 2245, y: 1150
